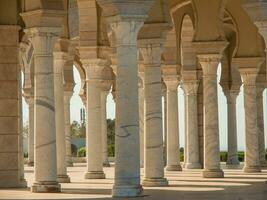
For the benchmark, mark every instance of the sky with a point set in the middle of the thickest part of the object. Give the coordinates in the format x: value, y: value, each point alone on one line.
x: 76, y: 104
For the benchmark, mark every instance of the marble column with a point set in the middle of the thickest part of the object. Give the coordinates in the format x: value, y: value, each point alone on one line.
x: 30, y: 102
x: 45, y: 152
x: 154, y: 163
x: 232, y: 158
x: 260, y: 119
x: 67, y: 97
x: 192, y: 156
x: 59, y: 62
x: 94, y: 150
x: 127, y: 141
x: 249, y: 68
x: 173, y: 147
x: 209, y: 64
x: 104, y: 131
x: 141, y: 120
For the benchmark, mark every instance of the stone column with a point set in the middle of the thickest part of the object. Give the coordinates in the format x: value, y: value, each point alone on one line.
x: 94, y: 150
x: 104, y: 94
x: 209, y: 64
x: 249, y: 68
x: 154, y: 164
x: 192, y: 156
x: 232, y: 158
x: 127, y: 163
x: 141, y: 121
x: 45, y: 166
x: 261, y: 126
x: 67, y: 97
x: 59, y: 61
x: 30, y: 102
x: 173, y: 150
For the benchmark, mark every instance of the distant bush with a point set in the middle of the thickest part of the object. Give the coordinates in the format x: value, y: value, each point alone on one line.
x: 223, y: 156
x: 25, y: 155
x: 81, y: 152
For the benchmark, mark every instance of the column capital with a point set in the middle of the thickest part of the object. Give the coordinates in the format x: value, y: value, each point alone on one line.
x: 43, y: 38
x: 190, y: 87
x: 29, y: 99
x: 209, y: 63
x: 248, y: 68
x: 68, y: 94
x: 151, y: 50
x: 231, y: 96
x: 209, y: 47
x: 172, y: 83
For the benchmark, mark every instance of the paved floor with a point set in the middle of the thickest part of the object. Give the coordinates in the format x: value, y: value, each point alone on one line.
x: 186, y: 185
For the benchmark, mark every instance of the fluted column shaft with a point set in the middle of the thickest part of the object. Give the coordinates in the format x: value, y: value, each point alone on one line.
x: 104, y: 95
x: 127, y: 141
x: 192, y: 156
x: 232, y: 158
x: 261, y: 126
x: 59, y: 62
x: 154, y: 164
x: 30, y: 101
x: 45, y: 153
x: 209, y: 64
x: 173, y: 151
x: 67, y: 97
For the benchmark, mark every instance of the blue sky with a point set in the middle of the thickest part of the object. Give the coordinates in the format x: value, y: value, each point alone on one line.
x: 76, y: 104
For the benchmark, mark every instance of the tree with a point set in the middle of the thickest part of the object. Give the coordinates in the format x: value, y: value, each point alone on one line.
x: 111, y: 136
x: 77, y: 130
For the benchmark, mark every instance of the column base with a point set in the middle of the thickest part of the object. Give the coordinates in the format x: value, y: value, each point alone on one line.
x: 30, y: 164
x: 212, y: 173
x: 251, y: 169
x: 69, y: 164
x: 232, y: 162
x: 173, y: 168
x: 46, y: 187
x: 127, y: 191
x: 106, y: 164
x: 155, y: 182
x: 193, y: 166
x: 95, y: 175
x: 23, y: 183
x: 63, y: 178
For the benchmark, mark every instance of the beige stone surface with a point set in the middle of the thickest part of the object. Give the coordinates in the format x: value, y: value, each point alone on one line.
x: 187, y: 185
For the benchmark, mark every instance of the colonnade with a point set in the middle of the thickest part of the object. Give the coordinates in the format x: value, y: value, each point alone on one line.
x: 136, y: 103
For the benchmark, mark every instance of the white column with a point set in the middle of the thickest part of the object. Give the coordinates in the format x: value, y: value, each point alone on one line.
x: 209, y: 64
x: 173, y: 146
x: 30, y: 102
x: 232, y: 158
x: 261, y: 126
x: 141, y: 121
x: 93, y: 125
x: 154, y: 163
x: 45, y: 153
x: 127, y: 141
x: 59, y: 62
x: 192, y: 156
x: 104, y: 94
x: 67, y: 97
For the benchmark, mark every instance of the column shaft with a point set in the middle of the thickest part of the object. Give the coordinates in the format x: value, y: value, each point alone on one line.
x: 62, y: 176
x: 104, y: 128
x: 67, y: 97
x: 173, y: 151
x: 192, y: 156
x: 232, y: 158
x: 261, y: 134
x: 209, y: 65
x: 93, y: 129
x: 30, y: 102
x: 141, y: 124
x: 252, y: 163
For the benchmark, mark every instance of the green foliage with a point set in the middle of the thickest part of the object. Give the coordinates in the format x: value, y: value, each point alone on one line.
x: 241, y: 156
x: 223, y: 156
x: 81, y: 152
x: 77, y: 130
x: 111, y: 137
